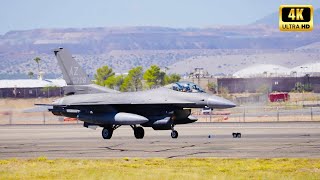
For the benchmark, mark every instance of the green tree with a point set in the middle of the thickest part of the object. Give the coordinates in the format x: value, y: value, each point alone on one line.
x: 38, y: 60
x: 133, y: 81
x: 212, y: 87
x: 30, y: 74
x: 103, y: 74
x: 172, y: 78
x: 308, y: 87
x: 114, y: 82
x: 154, y: 77
x: 49, y: 88
x: 299, y: 87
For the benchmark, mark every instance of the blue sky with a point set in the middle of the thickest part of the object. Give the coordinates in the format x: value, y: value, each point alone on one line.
x: 32, y: 14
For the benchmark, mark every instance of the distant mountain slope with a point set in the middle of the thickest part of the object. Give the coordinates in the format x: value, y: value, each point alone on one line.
x: 316, y: 19
x: 270, y: 20
x: 127, y: 47
x: 228, y: 64
x: 273, y: 19
x: 104, y: 40
x: 313, y: 46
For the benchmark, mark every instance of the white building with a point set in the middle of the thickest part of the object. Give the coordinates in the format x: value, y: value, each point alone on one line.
x: 27, y: 88
x: 313, y: 69
x: 263, y: 70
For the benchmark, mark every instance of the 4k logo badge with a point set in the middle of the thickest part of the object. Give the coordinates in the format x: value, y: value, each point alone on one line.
x: 296, y: 18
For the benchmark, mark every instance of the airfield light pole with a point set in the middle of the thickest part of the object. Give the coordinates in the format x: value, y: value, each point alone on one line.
x: 294, y: 74
x: 304, y: 72
x: 304, y: 69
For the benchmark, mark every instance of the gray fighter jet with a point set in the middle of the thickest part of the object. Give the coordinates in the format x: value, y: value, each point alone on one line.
x: 161, y: 108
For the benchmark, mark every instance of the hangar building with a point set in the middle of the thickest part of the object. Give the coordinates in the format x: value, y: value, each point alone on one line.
x: 275, y: 77
x: 31, y: 88
x: 262, y: 70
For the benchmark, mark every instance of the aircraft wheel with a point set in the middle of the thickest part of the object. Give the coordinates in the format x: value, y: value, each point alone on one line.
x: 174, y: 134
x: 234, y: 135
x: 238, y: 135
x: 107, y: 133
x: 138, y: 132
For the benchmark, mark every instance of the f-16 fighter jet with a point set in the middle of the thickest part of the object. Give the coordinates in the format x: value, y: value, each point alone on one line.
x: 160, y: 109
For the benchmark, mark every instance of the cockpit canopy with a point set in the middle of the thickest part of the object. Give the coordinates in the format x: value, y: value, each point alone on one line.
x: 186, y: 87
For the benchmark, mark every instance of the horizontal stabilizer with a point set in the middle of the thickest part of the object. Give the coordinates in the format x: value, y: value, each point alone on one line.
x: 42, y: 108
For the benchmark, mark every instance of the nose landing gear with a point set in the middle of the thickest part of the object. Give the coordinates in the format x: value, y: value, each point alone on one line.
x: 174, y: 133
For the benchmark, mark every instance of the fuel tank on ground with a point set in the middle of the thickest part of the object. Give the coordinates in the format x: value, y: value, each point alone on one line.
x: 120, y: 118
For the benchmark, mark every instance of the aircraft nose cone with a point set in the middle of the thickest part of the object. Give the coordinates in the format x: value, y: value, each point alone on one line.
x: 218, y: 102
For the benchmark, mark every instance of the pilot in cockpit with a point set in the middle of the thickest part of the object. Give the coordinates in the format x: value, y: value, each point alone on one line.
x: 186, y: 87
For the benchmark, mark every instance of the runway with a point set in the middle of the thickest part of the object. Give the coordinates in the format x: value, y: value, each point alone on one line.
x: 259, y: 140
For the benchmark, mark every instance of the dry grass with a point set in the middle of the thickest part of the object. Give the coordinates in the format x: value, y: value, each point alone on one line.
x: 307, y: 96
x: 126, y: 168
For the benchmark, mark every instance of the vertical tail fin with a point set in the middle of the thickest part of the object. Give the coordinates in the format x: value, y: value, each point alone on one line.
x: 75, y: 77
x: 72, y: 72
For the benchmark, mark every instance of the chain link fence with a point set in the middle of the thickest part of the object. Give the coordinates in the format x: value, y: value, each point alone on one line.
x: 12, y: 117
x: 261, y: 114
x: 238, y: 114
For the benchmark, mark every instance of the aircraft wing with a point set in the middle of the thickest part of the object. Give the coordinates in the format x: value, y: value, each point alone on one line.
x: 115, y: 103
x: 137, y: 98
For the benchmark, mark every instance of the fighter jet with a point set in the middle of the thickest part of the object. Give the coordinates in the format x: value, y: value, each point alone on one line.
x: 160, y: 109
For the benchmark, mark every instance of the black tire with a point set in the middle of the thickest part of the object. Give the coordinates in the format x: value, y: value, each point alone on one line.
x: 174, y: 134
x: 238, y: 135
x: 234, y: 135
x: 107, y: 133
x: 138, y: 132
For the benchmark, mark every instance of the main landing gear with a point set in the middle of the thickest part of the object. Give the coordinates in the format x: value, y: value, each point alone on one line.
x: 108, y: 131
x: 138, y: 132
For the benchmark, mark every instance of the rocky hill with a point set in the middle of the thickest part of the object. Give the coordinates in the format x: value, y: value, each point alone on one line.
x: 273, y: 19
x: 124, y: 48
